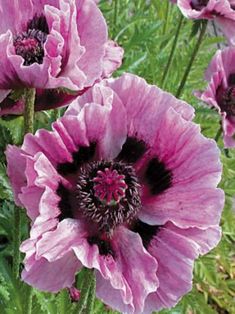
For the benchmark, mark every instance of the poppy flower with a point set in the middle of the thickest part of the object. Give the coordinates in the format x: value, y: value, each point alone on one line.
x: 125, y: 184
x: 59, y: 47
x: 222, y: 12
x: 220, y: 92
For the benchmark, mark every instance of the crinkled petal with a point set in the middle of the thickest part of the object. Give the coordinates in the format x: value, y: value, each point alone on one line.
x: 192, y: 200
x: 89, y: 21
x: 175, y: 250
x: 145, y: 104
x: 112, y: 59
x: 52, y: 276
x: 131, y: 273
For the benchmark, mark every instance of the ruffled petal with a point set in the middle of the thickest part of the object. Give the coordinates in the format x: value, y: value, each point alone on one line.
x: 145, y: 104
x: 115, y: 129
x: 112, y: 59
x: 131, y: 272
x: 52, y: 276
x: 89, y: 21
x: 192, y: 200
x: 175, y: 250
x: 15, y: 170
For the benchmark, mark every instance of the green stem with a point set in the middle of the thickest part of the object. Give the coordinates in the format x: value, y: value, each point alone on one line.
x: 173, y: 49
x: 29, y: 128
x: 166, y: 17
x: 217, y: 136
x: 193, y: 56
x: 115, y: 14
x: 56, y: 114
x: 85, y: 290
x: 29, y: 110
x: 29, y: 301
x: 16, y: 241
x: 91, y: 297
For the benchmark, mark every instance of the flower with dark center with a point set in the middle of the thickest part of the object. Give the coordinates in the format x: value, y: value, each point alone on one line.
x: 124, y: 184
x: 29, y: 44
x: 220, y: 11
x: 199, y: 4
x: 108, y: 194
x: 55, y: 48
x: 220, y: 92
x: 227, y: 101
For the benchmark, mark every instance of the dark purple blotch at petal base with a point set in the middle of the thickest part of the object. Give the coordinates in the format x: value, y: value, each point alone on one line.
x: 157, y: 176
x: 82, y: 156
x: 132, y: 150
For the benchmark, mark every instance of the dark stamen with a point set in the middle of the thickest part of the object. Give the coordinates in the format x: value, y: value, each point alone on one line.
x: 30, y: 44
x: 157, y: 176
x: 39, y: 23
x: 99, y: 203
x: 199, y: 4
x: 231, y: 79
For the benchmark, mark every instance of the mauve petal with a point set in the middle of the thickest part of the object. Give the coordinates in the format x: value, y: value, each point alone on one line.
x: 49, y: 143
x: 132, y: 272
x: 137, y: 268
x: 112, y: 59
x: 227, y: 26
x: 221, y: 67
x: 145, y: 104
x: 55, y: 244
x: 113, y: 297
x: 206, y: 239
x: 30, y: 198
x: 93, y: 34
x: 15, y: 170
x: 114, y: 133
x: 14, y: 14
x: 175, y: 250
x: 70, y: 76
x: 207, y: 12
x: 52, y: 276
x: 175, y: 255
x: 196, y: 170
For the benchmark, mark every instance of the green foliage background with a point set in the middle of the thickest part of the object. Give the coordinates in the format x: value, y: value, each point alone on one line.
x: 145, y: 29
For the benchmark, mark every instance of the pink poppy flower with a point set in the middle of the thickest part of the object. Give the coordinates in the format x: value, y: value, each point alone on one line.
x: 52, y: 45
x: 221, y: 11
x: 126, y: 184
x: 220, y: 92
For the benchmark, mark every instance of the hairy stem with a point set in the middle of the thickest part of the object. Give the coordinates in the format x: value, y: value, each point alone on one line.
x: 29, y: 110
x: 173, y: 49
x: 29, y: 128
x: 28, y: 303
x: 193, y: 56
x: 16, y: 241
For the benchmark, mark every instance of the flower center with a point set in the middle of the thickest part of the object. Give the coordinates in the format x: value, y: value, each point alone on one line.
x: 29, y: 44
x: 108, y: 194
x: 199, y: 4
x: 227, y: 102
x: 109, y: 186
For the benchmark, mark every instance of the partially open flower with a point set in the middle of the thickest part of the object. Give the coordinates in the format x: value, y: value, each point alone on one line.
x: 125, y: 184
x: 220, y: 92
x: 222, y: 12
x: 55, y: 46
